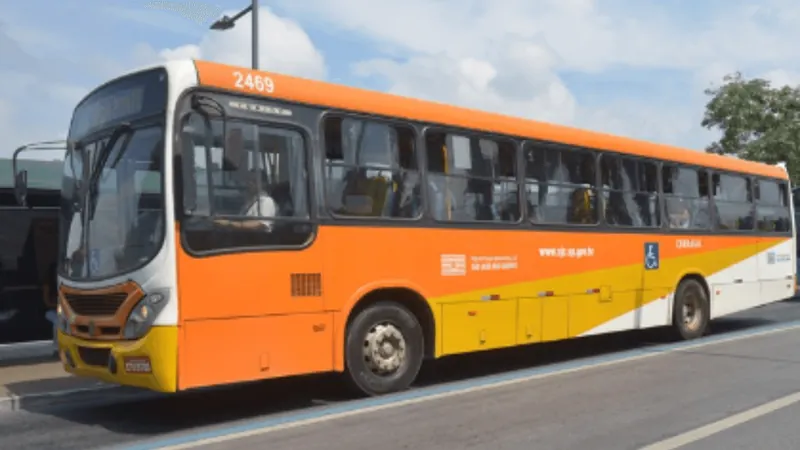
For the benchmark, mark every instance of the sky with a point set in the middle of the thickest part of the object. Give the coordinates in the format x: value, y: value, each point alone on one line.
x: 635, y: 68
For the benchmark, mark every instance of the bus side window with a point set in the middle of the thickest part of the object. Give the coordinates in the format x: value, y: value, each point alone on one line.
x: 734, y: 202
x: 251, y: 195
x: 561, y: 183
x: 472, y: 178
x: 772, y: 206
x: 371, y: 169
x: 686, y: 199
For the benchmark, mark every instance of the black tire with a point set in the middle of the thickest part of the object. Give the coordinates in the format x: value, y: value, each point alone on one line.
x: 358, y: 368
x: 694, y: 323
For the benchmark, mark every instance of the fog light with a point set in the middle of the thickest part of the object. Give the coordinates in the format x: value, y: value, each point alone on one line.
x: 137, y: 364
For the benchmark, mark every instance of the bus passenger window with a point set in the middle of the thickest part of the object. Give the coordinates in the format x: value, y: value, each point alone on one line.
x: 251, y: 190
x: 733, y: 201
x: 686, y: 199
x: 772, y: 206
x: 630, y: 191
x: 560, y: 182
x: 371, y: 169
x: 471, y: 178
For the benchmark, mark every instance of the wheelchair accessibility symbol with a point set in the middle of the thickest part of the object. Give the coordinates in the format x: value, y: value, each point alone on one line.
x: 651, y: 259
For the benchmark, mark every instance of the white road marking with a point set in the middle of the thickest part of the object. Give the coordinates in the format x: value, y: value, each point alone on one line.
x: 335, y: 416
x: 724, y: 424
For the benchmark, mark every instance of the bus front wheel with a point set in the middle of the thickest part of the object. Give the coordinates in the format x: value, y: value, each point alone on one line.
x: 383, y: 349
x: 690, y: 311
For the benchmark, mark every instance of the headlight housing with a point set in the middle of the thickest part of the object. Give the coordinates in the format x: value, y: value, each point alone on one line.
x: 62, y: 319
x: 142, y: 316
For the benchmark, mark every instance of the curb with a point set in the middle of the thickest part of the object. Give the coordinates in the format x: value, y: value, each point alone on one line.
x: 97, y: 395
x: 26, y: 351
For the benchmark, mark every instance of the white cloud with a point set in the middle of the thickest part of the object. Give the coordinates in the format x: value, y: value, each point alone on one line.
x: 521, y: 85
x: 780, y: 77
x: 516, y: 57
x: 34, y: 107
x: 283, y: 47
x: 521, y: 49
x: 36, y: 103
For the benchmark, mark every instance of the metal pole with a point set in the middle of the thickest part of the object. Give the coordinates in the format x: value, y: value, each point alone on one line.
x: 254, y: 13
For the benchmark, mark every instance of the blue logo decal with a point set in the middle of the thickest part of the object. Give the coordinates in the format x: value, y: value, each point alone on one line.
x: 651, y: 259
x: 771, y: 258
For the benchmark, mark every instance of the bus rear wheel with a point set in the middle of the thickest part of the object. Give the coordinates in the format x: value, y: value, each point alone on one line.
x: 690, y: 311
x: 383, y: 349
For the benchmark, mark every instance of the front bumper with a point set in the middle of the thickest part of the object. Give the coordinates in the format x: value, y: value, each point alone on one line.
x: 150, y: 362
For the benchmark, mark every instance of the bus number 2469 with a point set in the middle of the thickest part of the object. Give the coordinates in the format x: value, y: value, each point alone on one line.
x: 252, y: 82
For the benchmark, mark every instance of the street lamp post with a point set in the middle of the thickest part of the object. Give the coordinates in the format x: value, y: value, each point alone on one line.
x: 226, y: 23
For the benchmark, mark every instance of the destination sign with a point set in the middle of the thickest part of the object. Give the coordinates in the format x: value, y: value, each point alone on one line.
x: 126, y: 99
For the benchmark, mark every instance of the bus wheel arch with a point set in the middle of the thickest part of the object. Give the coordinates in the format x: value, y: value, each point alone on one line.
x: 398, y: 316
x: 691, y: 307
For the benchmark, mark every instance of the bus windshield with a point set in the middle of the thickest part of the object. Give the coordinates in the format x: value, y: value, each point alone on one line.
x: 112, y: 196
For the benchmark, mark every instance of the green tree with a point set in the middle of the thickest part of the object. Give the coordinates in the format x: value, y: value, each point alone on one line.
x: 758, y: 122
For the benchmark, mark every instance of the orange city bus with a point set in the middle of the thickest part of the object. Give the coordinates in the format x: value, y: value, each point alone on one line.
x: 221, y: 225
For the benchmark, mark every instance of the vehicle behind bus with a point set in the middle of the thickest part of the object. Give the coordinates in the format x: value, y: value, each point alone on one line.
x: 28, y: 242
x: 221, y: 225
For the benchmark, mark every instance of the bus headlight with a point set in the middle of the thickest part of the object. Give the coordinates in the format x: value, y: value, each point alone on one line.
x: 62, y: 319
x: 143, y: 315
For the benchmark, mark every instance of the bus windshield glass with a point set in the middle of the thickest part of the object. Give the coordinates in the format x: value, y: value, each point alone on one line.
x: 112, y: 197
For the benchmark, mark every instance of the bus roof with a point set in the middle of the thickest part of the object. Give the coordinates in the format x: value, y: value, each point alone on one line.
x: 332, y: 95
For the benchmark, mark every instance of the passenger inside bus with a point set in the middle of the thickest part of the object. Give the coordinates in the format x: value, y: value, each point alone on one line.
x: 679, y: 216
x: 258, y: 204
x: 362, y: 179
x: 582, y: 200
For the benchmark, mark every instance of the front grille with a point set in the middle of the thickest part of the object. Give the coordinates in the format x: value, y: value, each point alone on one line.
x: 94, y: 356
x: 101, y: 331
x: 95, y: 304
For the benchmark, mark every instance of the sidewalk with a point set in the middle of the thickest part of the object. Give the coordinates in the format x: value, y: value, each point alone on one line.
x: 31, y: 377
x: 35, y: 386
x: 18, y: 351
x: 41, y: 384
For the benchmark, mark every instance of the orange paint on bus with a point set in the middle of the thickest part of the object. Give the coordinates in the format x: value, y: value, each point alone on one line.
x: 241, y: 322
x: 321, y: 93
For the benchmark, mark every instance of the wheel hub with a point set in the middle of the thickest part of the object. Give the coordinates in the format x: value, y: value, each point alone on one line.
x: 691, y: 312
x: 384, y: 348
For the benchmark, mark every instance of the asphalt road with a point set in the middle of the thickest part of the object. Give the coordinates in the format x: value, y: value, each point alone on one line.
x: 625, y: 405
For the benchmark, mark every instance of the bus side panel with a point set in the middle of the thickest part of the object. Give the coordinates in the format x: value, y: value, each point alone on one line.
x: 564, y: 284
x: 654, y: 282
x: 775, y: 268
x: 252, y: 315
x: 252, y: 348
x: 737, y: 287
x: 485, y: 288
x: 473, y: 279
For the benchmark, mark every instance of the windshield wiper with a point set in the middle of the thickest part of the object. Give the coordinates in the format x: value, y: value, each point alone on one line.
x: 121, y: 130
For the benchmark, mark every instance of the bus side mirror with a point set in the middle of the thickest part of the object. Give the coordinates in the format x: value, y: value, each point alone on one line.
x: 21, y: 187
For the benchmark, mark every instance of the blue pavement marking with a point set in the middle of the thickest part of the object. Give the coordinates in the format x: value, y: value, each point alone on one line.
x: 453, y: 387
